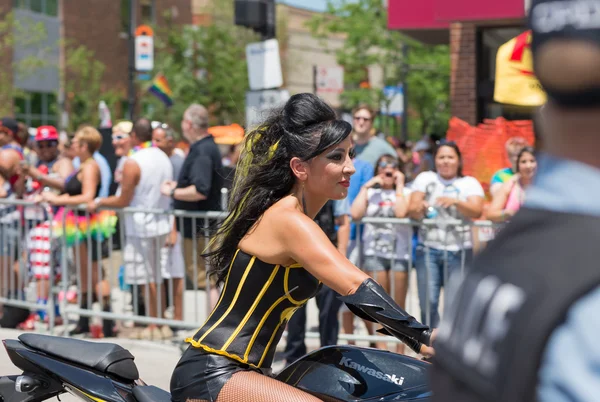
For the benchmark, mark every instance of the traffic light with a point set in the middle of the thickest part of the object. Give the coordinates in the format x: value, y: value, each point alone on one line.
x: 258, y: 15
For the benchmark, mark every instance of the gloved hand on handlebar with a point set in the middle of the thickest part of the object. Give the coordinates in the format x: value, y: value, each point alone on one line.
x: 372, y: 303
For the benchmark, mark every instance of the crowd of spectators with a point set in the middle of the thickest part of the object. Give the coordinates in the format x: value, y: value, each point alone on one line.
x: 422, y: 180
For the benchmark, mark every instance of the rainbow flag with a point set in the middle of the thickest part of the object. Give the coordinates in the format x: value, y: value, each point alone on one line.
x: 99, y: 226
x: 160, y: 88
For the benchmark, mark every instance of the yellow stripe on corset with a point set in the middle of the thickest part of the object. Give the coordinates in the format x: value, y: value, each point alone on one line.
x: 252, y: 308
x: 286, y: 288
x: 285, y: 315
x: 235, y: 297
x: 260, y: 325
x: 208, y: 349
x: 222, y: 292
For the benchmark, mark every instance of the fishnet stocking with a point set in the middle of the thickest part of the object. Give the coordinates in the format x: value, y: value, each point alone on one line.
x: 246, y: 386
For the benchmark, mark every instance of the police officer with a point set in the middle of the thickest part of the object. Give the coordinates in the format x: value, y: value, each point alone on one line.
x: 525, y: 321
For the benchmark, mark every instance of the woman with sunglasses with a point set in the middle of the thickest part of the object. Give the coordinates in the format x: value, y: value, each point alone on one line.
x: 122, y: 144
x: 385, y: 246
x: 444, y: 194
x: 509, y: 198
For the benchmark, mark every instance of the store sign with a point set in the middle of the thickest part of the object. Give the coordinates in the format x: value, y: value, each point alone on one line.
x: 516, y: 83
x: 264, y: 65
x: 144, y: 48
x: 259, y: 103
x: 393, y: 103
x: 329, y: 80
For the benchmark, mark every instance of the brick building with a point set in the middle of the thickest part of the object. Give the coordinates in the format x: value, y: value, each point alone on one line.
x: 474, y: 29
x: 101, y: 25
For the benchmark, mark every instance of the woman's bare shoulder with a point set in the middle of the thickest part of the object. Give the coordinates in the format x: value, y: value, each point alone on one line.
x: 267, y: 238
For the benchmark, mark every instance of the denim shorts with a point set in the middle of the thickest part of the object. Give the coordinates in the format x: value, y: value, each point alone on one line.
x: 376, y: 264
x: 9, y: 238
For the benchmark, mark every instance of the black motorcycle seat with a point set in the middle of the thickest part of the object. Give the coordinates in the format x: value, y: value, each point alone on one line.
x: 107, y: 358
x: 150, y: 393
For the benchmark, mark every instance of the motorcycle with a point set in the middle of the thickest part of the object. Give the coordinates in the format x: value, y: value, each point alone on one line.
x: 105, y: 372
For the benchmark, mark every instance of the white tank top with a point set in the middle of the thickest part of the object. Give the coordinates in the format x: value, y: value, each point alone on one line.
x: 155, y: 169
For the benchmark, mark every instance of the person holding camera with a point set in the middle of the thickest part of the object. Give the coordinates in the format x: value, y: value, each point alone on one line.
x: 385, y: 245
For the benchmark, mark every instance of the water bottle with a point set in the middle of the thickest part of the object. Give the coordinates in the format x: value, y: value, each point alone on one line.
x: 431, y: 212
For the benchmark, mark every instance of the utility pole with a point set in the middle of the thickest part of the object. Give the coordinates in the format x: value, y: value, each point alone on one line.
x: 271, y: 24
x: 405, y: 69
x: 62, y: 69
x: 131, y: 80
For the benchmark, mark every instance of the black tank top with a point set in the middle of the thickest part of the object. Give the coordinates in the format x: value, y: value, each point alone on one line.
x: 257, y: 301
x: 73, y: 185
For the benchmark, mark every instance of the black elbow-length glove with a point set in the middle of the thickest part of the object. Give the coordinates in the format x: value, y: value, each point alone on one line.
x: 372, y: 303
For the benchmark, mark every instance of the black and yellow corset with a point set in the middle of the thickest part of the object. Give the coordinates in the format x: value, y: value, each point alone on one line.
x: 257, y: 301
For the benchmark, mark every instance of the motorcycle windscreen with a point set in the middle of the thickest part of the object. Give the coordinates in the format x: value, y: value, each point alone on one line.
x: 347, y: 373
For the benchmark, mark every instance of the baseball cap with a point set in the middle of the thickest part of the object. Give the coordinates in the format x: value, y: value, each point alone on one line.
x: 559, y: 20
x: 46, y: 133
x: 10, y: 124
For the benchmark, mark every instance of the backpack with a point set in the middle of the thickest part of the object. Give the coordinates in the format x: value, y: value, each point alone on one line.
x: 326, y: 221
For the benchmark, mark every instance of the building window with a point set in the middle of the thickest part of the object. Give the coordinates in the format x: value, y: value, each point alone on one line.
x: 125, y: 15
x: 147, y: 10
x: 48, y: 7
x: 37, y: 109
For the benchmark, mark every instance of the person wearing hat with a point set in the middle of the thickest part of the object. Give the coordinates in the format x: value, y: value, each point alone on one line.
x: 524, y: 322
x: 51, y: 169
x: 11, y: 154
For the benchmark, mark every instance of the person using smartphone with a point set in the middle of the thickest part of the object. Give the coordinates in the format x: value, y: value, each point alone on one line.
x: 385, y: 245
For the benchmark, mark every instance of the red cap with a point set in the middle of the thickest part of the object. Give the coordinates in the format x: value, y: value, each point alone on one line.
x: 46, y: 133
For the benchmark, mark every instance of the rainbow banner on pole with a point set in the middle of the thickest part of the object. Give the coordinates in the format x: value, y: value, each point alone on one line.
x: 160, y: 88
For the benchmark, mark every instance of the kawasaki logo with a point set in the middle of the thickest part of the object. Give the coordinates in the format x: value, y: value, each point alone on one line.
x: 346, y: 362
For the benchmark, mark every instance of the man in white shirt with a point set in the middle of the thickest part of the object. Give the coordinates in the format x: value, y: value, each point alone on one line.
x: 145, y: 233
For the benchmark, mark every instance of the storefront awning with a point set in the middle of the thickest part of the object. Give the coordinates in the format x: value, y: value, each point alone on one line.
x: 430, y: 19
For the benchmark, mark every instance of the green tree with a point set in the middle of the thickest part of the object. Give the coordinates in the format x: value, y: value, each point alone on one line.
x: 84, y: 86
x: 25, y: 34
x: 203, y: 64
x: 369, y: 43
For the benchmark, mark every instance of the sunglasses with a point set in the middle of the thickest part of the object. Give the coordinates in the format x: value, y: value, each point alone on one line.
x: 359, y: 118
x: 383, y: 165
x: 47, y: 144
x: 158, y: 124
x: 119, y: 137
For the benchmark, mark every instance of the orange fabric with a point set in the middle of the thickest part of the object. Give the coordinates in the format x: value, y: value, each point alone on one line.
x: 230, y: 135
x: 483, y: 147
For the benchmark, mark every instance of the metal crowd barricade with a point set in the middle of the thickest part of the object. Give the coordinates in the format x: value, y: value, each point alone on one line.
x: 18, y: 287
x: 413, y: 301
x: 127, y: 297
x: 23, y: 227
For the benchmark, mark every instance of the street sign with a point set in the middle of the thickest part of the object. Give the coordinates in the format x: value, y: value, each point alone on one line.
x: 329, y: 80
x: 144, y: 48
x: 394, y: 103
x: 258, y: 103
x: 264, y: 65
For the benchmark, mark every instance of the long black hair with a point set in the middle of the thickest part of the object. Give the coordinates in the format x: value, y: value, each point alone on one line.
x: 450, y: 144
x: 305, y: 127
